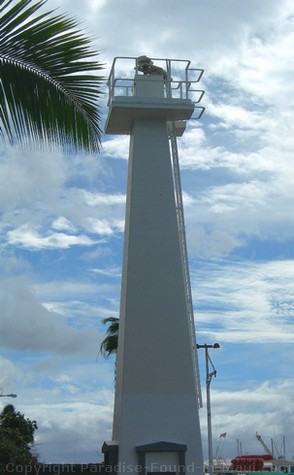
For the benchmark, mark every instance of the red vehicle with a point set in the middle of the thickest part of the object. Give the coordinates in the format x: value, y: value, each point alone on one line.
x: 253, y: 463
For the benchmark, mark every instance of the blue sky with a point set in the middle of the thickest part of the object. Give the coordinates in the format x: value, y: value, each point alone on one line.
x: 62, y: 219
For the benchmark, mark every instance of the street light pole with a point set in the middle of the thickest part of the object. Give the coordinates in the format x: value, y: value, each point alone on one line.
x: 8, y: 395
x: 209, y: 375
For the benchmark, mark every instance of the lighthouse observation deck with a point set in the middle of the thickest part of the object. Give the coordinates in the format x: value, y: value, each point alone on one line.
x: 144, y: 88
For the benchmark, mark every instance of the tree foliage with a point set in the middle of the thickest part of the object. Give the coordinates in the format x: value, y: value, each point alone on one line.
x: 109, y: 344
x: 49, y: 87
x: 16, y: 437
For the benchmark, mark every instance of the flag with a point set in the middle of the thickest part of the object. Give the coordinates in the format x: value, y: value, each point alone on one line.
x: 223, y: 435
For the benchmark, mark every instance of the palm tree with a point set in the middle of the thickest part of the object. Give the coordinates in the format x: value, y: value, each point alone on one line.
x: 49, y: 85
x: 109, y: 344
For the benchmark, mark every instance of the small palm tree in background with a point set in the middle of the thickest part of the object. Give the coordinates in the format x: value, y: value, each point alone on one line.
x: 49, y: 87
x: 109, y: 344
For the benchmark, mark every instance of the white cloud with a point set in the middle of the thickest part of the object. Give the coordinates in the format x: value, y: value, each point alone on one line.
x: 250, y: 410
x: 31, y: 239
x: 81, y: 303
x: 103, y: 227
x: 244, y: 302
x: 63, y: 224
x: 26, y: 325
x: 9, y: 374
x: 73, y: 430
x: 117, y: 147
x: 30, y: 177
x: 94, y: 199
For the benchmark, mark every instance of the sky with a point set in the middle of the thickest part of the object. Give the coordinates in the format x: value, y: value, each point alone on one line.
x: 62, y: 222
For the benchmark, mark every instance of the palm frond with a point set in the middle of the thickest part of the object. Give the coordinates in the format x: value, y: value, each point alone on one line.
x: 109, y: 344
x: 49, y: 87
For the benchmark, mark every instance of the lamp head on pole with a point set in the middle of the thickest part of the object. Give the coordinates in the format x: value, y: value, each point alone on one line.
x: 215, y: 345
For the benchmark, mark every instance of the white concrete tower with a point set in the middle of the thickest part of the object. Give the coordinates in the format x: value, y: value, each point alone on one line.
x: 156, y: 422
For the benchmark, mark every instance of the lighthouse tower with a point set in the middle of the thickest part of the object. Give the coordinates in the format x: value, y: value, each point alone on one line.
x: 156, y: 421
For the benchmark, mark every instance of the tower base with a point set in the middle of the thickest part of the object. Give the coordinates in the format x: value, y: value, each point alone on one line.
x: 162, y: 457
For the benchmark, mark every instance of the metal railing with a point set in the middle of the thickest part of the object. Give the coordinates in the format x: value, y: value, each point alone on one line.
x: 179, y: 79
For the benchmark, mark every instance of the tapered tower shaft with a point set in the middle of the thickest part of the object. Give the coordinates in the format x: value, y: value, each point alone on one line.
x: 156, y: 421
